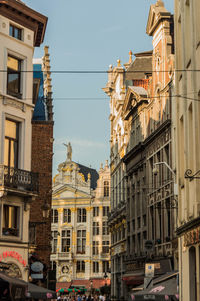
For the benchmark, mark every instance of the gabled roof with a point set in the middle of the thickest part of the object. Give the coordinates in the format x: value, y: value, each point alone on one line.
x: 134, y: 96
x: 140, y: 66
x: 157, y: 13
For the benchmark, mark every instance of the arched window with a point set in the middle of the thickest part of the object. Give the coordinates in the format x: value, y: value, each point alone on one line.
x: 192, y: 274
x: 106, y: 189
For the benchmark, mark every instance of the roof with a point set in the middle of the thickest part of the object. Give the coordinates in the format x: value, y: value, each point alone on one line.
x: 94, y: 174
x: 20, y: 13
x: 138, y: 90
x: 143, y: 63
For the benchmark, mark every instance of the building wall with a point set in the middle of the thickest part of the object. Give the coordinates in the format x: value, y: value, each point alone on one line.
x: 187, y: 129
x: 15, y: 191
x: 73, y: 191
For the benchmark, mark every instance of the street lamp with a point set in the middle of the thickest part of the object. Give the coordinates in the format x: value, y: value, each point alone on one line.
x: 155, y: 172
x: 91, y: 284
x: 105, y: 276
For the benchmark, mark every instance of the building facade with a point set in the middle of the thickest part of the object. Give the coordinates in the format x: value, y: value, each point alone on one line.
x: 21, y: 29
x: 41, y: 162
x: 187, y: 127
x: 80, y: 237
x: 140, y: 102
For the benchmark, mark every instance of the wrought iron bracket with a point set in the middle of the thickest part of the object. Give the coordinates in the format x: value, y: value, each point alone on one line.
x: 189, y: 174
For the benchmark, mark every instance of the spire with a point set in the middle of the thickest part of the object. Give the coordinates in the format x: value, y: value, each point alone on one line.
x: 130, y: 57
x: 118, y: 63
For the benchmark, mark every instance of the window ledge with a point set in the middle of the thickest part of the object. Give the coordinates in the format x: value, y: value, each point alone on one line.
x: 10, y: 97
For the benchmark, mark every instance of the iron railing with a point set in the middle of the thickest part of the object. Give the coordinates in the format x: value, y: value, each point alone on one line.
x: 20, y: 179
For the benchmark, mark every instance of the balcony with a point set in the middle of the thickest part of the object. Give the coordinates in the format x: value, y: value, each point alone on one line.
x: 22, y: 180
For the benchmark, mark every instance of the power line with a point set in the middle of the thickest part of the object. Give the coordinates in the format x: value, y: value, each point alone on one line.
x: 101, y: 71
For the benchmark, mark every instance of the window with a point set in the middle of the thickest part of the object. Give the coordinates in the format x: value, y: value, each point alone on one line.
x: 54, y: 235
x: 105, y: 210
x: 15, y: 32
x: 54, y: 216
x: 105, y: 247
x: 138, y: 222
x: 95, y: 228
x: 95, y: 248
x: 11, y: 143
x: 81, y: 216
x: 81, y: 241
x: 105, y: 230
x: 95, y: 211
x: 14, y: 76
x: 11, y: 220
x: 66, y: 240
x: 80, y: 266
x: 105, y: 266
x: 95, y: 267
x: 106, y: 189
x: 67, y: 216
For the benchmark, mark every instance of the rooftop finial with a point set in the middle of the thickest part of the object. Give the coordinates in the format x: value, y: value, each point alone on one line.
x: 130, y: 57
x: 118, y: 63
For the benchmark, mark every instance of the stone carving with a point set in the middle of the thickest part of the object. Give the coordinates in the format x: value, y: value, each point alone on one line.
x: 69, y: 151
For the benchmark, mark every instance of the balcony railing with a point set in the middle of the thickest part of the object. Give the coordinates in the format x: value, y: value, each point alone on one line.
x: 20, y: 179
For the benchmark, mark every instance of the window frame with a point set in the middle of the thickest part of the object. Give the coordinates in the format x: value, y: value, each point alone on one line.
x: 81, y: 247
x: 66, y: 237
x: 13, y: 28
x: 81, y: 265
x: 15, y: 141
x: 81, y: 215
x: 95, y: 228
x: 106, y: 189
x: 10, y: 71
x: 67, y: 216
x: 95, y: 267
x: 18, y: 221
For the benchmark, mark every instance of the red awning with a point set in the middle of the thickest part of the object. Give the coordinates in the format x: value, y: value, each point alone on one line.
x: 133, y: 279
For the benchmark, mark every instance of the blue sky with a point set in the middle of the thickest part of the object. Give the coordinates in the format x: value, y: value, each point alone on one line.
x: 88, y: 35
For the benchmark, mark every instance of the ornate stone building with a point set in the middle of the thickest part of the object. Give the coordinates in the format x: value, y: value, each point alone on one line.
x: 187, y: 128
x: 143, y: 204
x: 80, y: 236
x: 21, y: 29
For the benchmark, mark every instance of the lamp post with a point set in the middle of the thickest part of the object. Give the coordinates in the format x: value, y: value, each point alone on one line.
x: 91, y: 286
x: 155, y: 172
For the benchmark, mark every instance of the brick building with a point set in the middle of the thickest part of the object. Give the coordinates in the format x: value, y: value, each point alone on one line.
x: 42, y: 152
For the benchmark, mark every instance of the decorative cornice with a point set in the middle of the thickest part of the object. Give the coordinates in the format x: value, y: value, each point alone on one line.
x: 188, y: 226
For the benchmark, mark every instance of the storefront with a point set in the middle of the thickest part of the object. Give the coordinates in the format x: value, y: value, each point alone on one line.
x: 163, y: 288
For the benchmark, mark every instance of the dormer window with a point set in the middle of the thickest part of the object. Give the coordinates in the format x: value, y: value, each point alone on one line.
x: 15, y: 32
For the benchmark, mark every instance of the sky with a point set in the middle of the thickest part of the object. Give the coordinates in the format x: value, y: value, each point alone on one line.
x: 88, y: 36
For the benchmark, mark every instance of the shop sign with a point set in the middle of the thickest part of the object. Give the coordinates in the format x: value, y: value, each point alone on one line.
x: 192, y: 237
x: 13, y: 254
x: 37, y: 270
x: 149, y: 269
